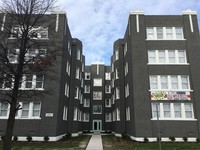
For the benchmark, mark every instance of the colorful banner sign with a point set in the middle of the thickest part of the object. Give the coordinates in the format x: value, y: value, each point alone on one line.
x: 165, y: 95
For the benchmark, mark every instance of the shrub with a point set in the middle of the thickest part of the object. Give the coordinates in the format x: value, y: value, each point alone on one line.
x: 125, y: 136
x: 15, y: 138
x: 29, y: 138
x: 172, y: 138
x: 66, y: 136
x: 159, y: 139
x: 46, y: 138
x: 146, y: 140
x: 185, y: 139
x: 198, y: 140
x: 2, y: 137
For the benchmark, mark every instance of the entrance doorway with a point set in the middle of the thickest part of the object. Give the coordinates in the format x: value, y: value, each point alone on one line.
x: 97, y: 125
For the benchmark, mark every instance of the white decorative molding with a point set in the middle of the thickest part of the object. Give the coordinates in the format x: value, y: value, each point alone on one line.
x: 136, y: 12
x: 189, y: 12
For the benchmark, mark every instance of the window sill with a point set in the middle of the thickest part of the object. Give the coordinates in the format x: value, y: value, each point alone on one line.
x: 165, y: 39
x: 168, y: 64
x: 171, y: 90
x: 184, y: 119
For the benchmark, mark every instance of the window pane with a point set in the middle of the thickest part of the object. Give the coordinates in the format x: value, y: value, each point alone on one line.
x: 25, y: 110
x: 167, y: 111
x: 188, y: 111
x: 169, y: 33
x: 3, y: 109
x: 153, y: 82
x: 161, y: 55
x: 164, y: 82
x: 177, y: 110
x: 150, y: 33
x: 36, y: 109
x: 179, y: 32
x: 159, y: 33
x: 174, y: 82
x: 152, y: 56
x: 184, y: 81
x: 171, y: 56
x: 181, y: 56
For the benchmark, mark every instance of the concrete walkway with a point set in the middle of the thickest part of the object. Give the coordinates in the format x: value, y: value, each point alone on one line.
x: 95, y: 143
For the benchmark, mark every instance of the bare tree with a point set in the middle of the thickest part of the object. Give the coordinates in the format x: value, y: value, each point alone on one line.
x: 21, y: 22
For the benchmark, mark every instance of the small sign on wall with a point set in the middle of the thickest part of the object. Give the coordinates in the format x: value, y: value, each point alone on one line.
x: 49, y: 115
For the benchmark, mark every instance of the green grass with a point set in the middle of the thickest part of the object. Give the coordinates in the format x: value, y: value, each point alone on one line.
x: 114, y: 143
x: 75, y: 142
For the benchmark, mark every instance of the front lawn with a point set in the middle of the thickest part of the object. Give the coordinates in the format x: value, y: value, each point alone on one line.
x: 78, y: 143
x: 111, y: 142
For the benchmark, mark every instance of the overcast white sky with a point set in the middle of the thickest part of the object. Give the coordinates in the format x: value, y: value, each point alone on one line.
x: 98, y: 23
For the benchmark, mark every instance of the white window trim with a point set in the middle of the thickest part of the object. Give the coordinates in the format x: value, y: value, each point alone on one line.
x: 117, y: 93
x: 118, y: 114
x: 85, y: 89
x: 85, y: 104
x: 87, y: 74
x: 183, y: 117
x: 99, y: 93
x: 109, y: 89
x: 106, y: 102
x: 107, y: 76
x: 97, y: 82
x: 97, y: 112
x: 167, y: 58
x: 85, y: 116
x: 65, y: 112
x: 77, y: 93
x: 75, y: 117
x: 108, y: 117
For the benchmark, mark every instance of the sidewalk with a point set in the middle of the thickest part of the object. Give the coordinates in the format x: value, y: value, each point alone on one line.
x: 95, y: 143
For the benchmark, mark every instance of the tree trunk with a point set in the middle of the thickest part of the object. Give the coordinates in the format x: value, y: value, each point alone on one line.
x: 7, y: 142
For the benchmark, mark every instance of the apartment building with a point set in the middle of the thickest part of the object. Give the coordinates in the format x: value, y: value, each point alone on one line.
x: 156, y: 64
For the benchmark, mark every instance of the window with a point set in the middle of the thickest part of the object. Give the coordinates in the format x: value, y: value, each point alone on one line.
x: 117, y: 73
x: 108, y: 117
x: 108, y: 102
x: 16, y: 32
x: 116, y: 54
x: 87, y: 89
x: 7, y: 82
x: 107, y: 76
x: 97, y: 95
x: 169, y: 82
x: 79, y: 115
x: 87, y: 76
x: 13, y: 55
x: 66, y: 89
x: 97, y: 109
x: 118, y: 114
x: 86, y: 117
x: 164, y: 33
x: 167, y: 57
x: 36, y: 109
x: 86, y: 102
x: 78, y: 54
x: 75, y: 114
x: 39, y: 81
x: 68, y: 68
x: 76, y: 92
x: 127, y: 90
x: 65, y: 109
x: 97, y: 82
x: 173, y: 111
x: 125, y: 48
x: 4, y: 109
x: 128, y: 114
x: 114, y: 115
x: 107, y: 89
x: 25, y: 110
x: 69, y: 47
x: 117, y: 93
x: 39, y: 32
x: 126, y: 69
x: 77, y: 73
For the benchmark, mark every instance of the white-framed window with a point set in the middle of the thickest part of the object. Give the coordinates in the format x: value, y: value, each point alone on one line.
x: 87, y: 89
x: 86, y: 117
x: 65, y: 111
x: 126, y: 69
x: 97, y: 82
x: 164, y: 33
x: 27, y: 82
x: 76, y: 92
x: 79, y: 115
x: 169, y: 82
x: 66, y: 89
x: 128, y: 117
x: 125, y: 48
x: 31, y: 54
x: 167, y: 57
x: 68, y: 67
x: 97, y: 109
x: 86, y: 102
x: 13, y: 56
x: 108, y: 117
x: 69, y: 47
x: 126, y: 90
x: 29, y: 110
x: 117, y: 93
x: 75, y: 118
x: 114, y: 117
x: 107, y: 76
x: 97, y: 95
x: 117, y: 73
x: 39, y: 33
x: 87, y: 76
x: 107, y: 102
x: 117, y: 54
x: 118, y: 114
x: 173, y: 111
x: 108, y: 89
x: 78, y: 54
x: 4, y: 109
x: 77, y: 72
